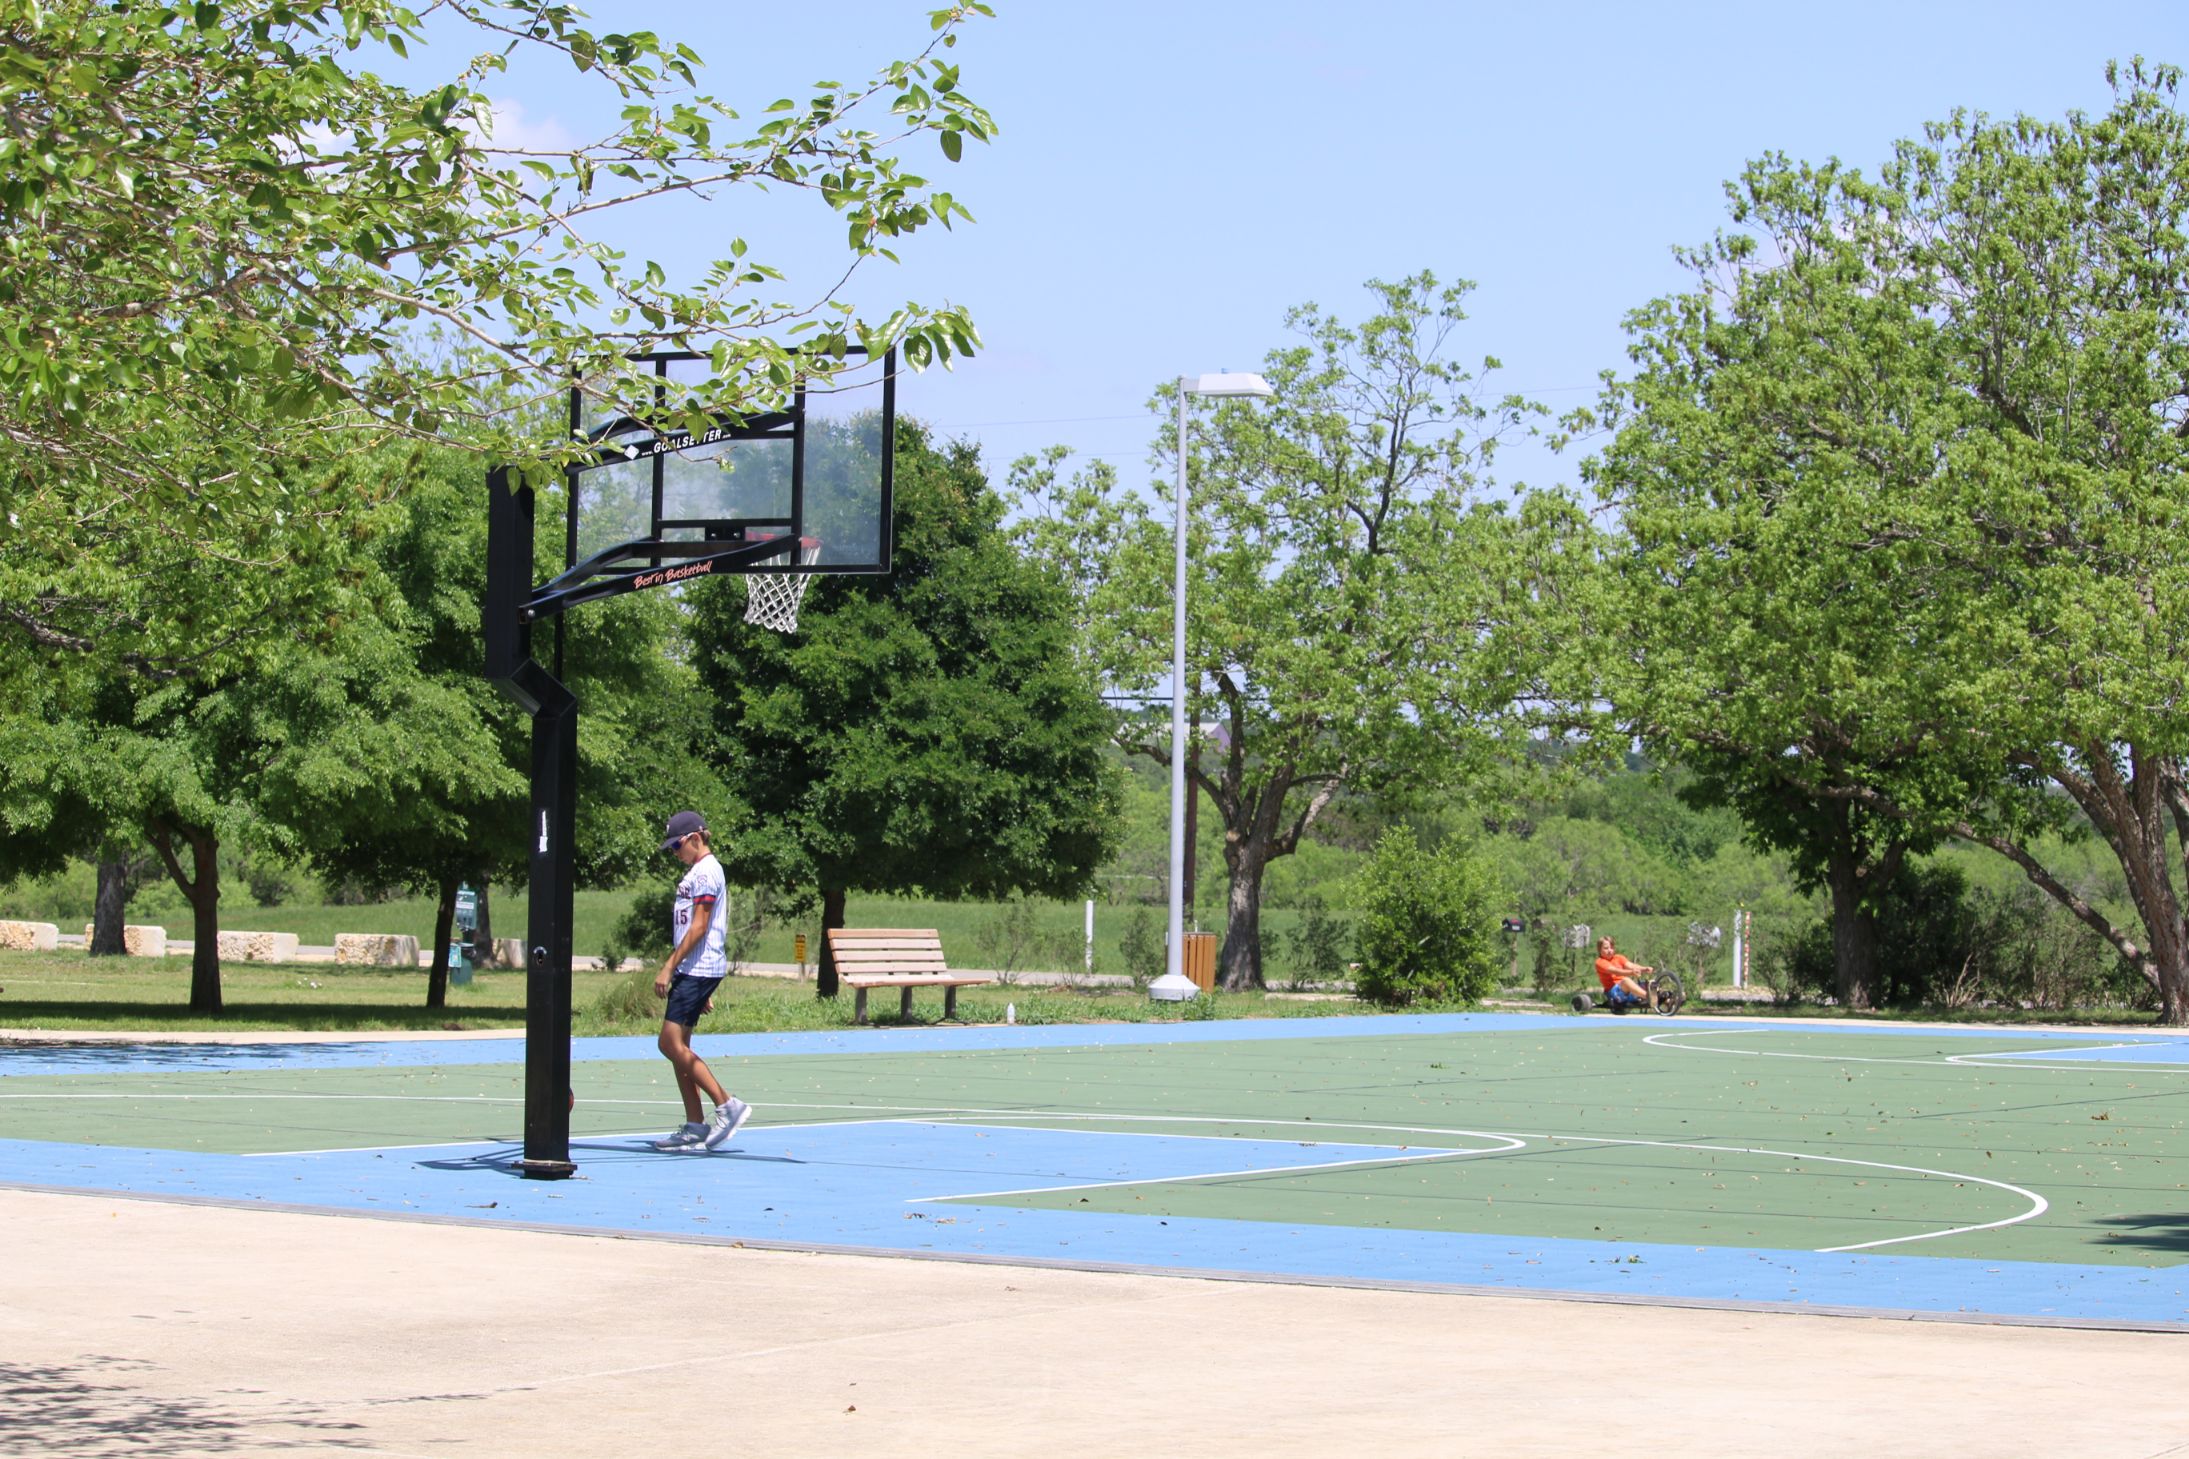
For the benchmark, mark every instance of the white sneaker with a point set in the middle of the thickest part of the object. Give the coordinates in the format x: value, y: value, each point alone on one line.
x: 683, y: 1137
x: 728, y: 1119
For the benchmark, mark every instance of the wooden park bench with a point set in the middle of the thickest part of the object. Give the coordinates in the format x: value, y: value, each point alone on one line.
x: 901, y: 958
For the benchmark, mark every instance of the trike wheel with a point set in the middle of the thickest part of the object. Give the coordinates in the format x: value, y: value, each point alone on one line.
x: 1670, y: 994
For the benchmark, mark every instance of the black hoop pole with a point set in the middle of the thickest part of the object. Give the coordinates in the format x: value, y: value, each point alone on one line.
x: 547, y: 1095
x: 507, y: 636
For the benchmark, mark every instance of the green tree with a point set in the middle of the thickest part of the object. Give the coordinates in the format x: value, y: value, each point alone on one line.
x: 225, y: 232
x: 1359, y: 617
x: 315, y: 740
x: 1773, y: 468
x: 638, y: 698
x: 224, y: 236
x: 927, y: 730
x: 1916, y: 450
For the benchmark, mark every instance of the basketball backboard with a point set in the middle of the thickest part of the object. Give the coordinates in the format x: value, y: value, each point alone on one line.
x: 816, y: 472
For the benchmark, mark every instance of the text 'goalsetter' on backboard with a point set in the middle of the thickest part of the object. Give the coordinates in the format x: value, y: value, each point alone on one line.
x: 815, y: 476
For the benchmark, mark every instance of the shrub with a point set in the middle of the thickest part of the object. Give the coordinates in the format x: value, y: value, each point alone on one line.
x: 269, y: 880
x: 644, y: 926
x: 1428, y: 926
x: 1317, y: 945
x: 1923, y: 941
x: 1941, y: 945
x: 1142, y: 949
x: 351, y: 891
x: 1012, y: 940
x: 628, y: 1001
x: 1796, y: 966
x: 2027, y: 950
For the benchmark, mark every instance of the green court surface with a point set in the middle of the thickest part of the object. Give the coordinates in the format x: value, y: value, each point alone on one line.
x: 1993, y: 1147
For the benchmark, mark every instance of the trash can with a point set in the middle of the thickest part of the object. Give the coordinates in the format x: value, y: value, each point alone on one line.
x: 1200, y: 960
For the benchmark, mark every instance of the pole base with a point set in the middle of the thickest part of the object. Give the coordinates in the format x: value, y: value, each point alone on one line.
x: 1173, y: 988
x: 546, y: 1169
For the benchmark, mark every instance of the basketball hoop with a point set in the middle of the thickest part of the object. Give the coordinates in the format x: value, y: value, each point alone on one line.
x: 772, y: 598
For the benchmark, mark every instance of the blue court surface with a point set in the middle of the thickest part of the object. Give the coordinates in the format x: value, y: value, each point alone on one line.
x: 1971, y: 1174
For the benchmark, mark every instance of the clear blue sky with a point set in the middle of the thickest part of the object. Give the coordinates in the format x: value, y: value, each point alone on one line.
x: 1170, y: 177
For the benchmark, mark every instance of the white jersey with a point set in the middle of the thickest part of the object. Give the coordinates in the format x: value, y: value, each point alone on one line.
x: 702, y: 886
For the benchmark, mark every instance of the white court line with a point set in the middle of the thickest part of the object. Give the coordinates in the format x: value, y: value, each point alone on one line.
x: 1048, y: 1114
x: 2023, y: 1058
x: 1226, y: 1139
x: 1316, y: 1168
x: 2038, y: 1204
x: 519, y: 1139
x: 939, y: 1114
x: 340, y: 1098
x: 2029, y: 1058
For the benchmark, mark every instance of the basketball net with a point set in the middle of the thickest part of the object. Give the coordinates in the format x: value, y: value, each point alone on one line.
x: 772, y: 599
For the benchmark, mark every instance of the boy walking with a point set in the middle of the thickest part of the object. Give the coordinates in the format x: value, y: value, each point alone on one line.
x: 688, y: 980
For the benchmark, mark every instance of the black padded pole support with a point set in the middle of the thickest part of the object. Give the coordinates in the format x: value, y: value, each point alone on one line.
x: 507, y: 637
x: 547, y: 942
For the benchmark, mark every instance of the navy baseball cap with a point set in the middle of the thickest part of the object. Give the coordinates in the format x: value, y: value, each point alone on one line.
x: 682, y: 824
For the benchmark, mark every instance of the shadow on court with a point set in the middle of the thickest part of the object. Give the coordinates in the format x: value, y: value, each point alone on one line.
x: 2162, y: 1235
x: 76, y: 1412
x: 189, y: 1058
x: 509, y: 1160
x: 302, y: 1017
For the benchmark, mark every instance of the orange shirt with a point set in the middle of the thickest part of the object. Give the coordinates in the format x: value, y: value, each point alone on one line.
x: 1610, y: 970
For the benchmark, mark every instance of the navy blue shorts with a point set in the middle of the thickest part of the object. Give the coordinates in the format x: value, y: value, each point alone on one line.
x: 688, y: 999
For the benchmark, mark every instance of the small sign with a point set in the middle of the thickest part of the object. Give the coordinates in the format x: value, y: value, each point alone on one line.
x: 798, y: 949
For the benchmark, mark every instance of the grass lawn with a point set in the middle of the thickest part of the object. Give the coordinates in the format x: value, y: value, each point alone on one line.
x: 65, y: 991
x: 1048, y: 935
x: 68, y: 991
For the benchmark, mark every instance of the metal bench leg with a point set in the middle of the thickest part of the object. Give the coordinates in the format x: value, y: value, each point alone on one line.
x: 904, y: 1006
x: 858, y: 1007
x: 950, y: 1002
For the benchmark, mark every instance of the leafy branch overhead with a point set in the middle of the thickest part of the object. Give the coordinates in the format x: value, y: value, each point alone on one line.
x: 212, y: 203
x: 235, y: 259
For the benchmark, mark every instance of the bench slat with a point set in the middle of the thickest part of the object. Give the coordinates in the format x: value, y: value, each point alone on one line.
x: 897, y: 957
x: 894, y: 961
x: 915, y: 980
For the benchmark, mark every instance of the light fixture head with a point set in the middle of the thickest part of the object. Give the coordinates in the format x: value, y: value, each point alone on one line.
x: 1227, y: 384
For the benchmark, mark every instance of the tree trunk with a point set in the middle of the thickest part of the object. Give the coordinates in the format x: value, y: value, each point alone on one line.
x: 1242, y: 951
x: 1854, y: 934
x: 444, y: 922
x: 202, y: 891
x: 119, y: 880
x: 832, y: 915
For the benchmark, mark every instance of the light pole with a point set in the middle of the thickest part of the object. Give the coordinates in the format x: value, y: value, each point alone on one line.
x: 1174, y: 986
